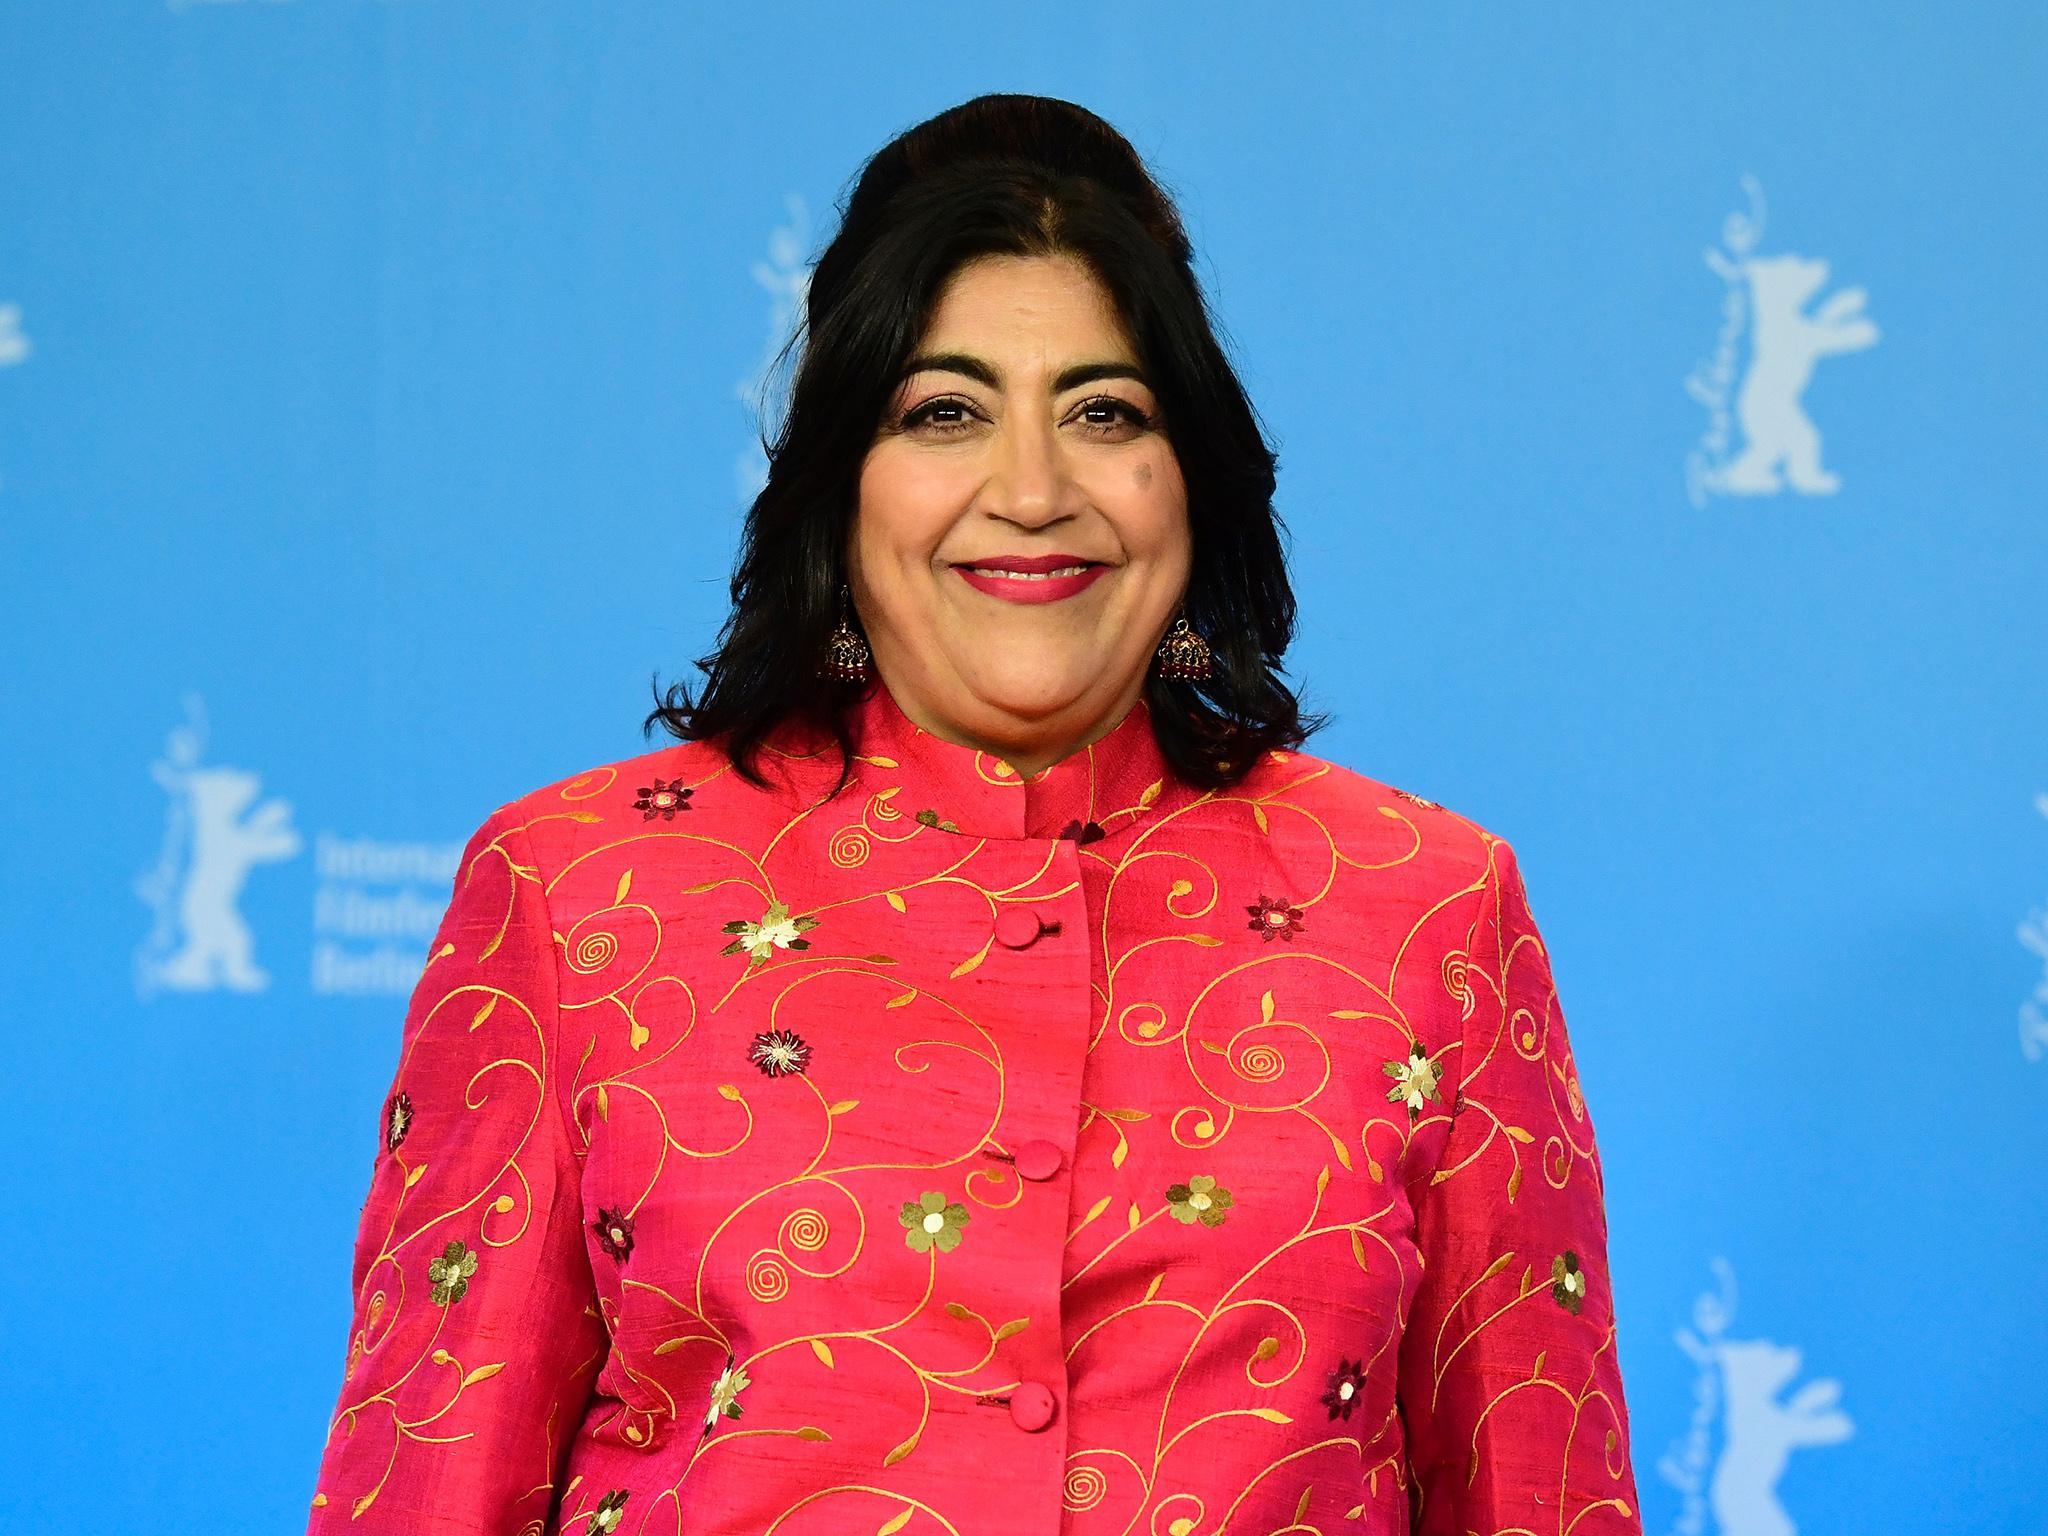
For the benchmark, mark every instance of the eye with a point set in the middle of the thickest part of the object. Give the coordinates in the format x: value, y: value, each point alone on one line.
x: 1105, y: 414
x: 940, y: 416
x: 950, y: 416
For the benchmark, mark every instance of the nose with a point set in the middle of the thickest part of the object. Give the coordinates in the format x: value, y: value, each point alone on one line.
x: 1028, y: 482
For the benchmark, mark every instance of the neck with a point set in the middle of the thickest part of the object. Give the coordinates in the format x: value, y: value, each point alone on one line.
x: 1029, y: 744
x: 1106, y: 787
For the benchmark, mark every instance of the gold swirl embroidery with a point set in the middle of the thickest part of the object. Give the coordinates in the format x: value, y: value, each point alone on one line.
x: 1268, y: 1348
x: 593, y: 952
x: 1255, y: 1063
x: 1557, y: 1162
x: 767, y: 1276
x: 1000, y: 1178
x: 1084, y: 1489
x: 504, y: 1205
x: 1181, y: 1524
x: 593, y: 944
x: 586, y: 786
x: 1458, y: 981
x: 1153, y: 1020
x: 1206, y: 1134
x: 849, y: 846
x: 805, y: 1229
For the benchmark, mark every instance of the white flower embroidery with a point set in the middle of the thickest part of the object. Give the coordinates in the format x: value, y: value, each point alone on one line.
x: 725, y: 1394
x: 1414, y: 1079
x: 776, y: 930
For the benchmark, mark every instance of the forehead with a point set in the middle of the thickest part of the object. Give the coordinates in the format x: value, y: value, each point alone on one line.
x: 1026, y: 305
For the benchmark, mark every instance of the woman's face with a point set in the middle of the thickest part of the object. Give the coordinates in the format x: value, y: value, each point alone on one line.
x: 1021, y: 539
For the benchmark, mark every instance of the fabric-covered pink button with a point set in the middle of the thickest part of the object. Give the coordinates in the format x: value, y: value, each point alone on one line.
x: 1031, y: 1405
x: 1017, y: 927
x: 1038, y: 1160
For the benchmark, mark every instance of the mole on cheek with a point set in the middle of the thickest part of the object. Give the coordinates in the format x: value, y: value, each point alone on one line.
x: 1143, y: 476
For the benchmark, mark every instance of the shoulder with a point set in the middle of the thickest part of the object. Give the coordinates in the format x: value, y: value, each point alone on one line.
x: 663, y: 790
x: 1354, y: 806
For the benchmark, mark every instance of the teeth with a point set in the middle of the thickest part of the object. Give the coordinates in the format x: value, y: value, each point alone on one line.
x: 1065, y: 570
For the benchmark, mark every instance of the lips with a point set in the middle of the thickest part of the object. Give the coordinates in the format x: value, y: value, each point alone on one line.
x: 1031, y: 578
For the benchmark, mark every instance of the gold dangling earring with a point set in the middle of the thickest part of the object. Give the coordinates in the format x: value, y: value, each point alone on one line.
x: 847, y: 657
x: 1183, y: 653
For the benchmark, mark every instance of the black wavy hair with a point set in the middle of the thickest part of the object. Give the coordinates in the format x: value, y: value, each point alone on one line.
x: 1023, y: 176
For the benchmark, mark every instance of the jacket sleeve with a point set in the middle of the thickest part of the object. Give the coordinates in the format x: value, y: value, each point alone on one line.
x: 475, y: 1335
x: 1510, y: 1387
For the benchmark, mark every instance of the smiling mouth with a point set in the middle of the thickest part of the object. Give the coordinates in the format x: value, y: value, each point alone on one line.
x: 1008, y: 574
x: 1029, y: 567
x: 1032, y: 578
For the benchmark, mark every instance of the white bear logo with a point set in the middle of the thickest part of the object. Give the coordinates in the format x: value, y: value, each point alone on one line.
x: 1762, y: 1430
x: 1785, y: 343
x: 200, y: 941
x: 1769, y: 297
x: 1744, y: 1431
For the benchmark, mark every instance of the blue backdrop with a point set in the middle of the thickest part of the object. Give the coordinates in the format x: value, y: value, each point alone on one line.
x: 1659, y: 392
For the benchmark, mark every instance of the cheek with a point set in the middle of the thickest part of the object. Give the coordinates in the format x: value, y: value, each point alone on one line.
x: 907, y: 502
x: 1150, y: 508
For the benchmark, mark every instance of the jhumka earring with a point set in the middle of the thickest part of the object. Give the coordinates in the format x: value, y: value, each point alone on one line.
x: 846, y: 655
x: 1183, y: 653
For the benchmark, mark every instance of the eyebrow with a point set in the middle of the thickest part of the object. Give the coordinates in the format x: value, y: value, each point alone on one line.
x: 982, y: 373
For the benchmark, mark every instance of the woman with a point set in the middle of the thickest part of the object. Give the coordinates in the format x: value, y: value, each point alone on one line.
x: 983, y: 1078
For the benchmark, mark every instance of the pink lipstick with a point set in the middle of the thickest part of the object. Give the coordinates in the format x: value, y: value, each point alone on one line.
x: 1031, y: 578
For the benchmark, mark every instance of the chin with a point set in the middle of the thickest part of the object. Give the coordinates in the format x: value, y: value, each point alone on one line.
x: 1037, y: 692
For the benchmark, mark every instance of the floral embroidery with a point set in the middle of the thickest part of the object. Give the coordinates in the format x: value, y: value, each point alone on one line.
x: 1274, y: 919
x: 1083, y: 832
x: 933, y: 819
x: 1345, y: 1383
x: 776, y: 930
x: 1198, y: 1200
x: 778, y: 1052
x: 397, y: 1121
x: 1567, y: 1281
x: 450, y: 1274
x: 663, y: 799
x: 1415, y: 1079
x: 1418, y: 800
x: 609, y: 1514
x: 725, y: 1393
x: 614, y: 1231
x: 930, y: 1222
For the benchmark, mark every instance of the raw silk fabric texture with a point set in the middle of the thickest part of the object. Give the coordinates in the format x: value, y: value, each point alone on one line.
x: 1087, y: 1154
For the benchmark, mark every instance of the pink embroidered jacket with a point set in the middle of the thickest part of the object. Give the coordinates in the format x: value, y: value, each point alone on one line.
x: 955, y: 1154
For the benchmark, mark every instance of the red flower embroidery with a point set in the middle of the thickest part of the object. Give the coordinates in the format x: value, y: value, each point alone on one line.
x: 779, y: 1052
x: 614, y: 1232
x: 1346, y: 1382
x: 663, y: 799
x: 1273, y: 919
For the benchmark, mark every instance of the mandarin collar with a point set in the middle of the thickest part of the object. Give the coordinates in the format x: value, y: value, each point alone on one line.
x: 1119, y: 781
